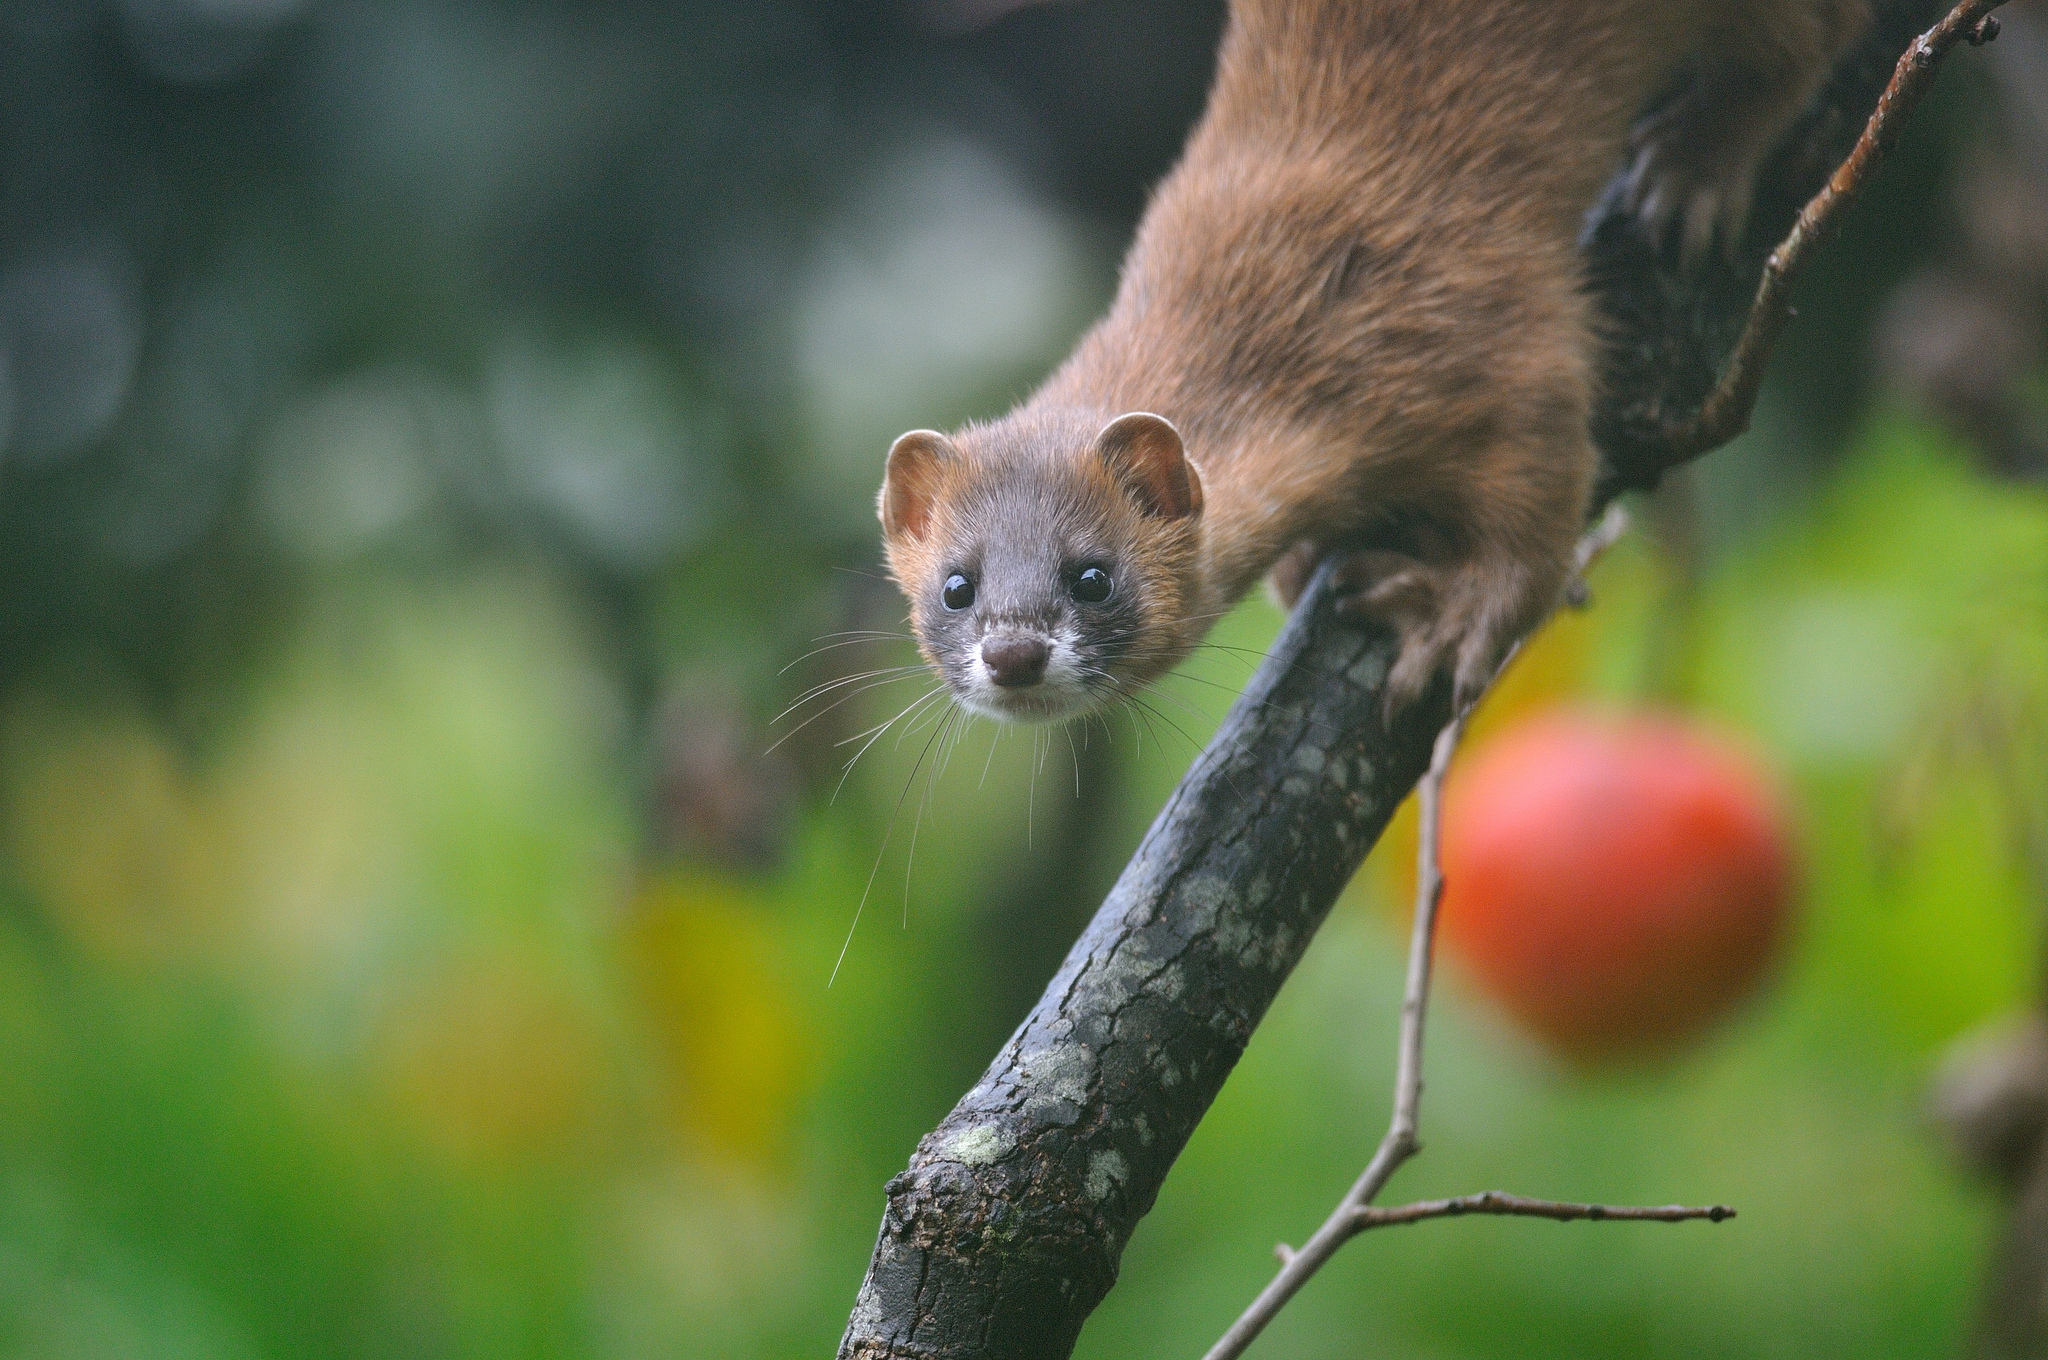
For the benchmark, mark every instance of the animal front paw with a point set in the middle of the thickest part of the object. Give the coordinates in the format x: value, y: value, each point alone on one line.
x: 1458, y: 617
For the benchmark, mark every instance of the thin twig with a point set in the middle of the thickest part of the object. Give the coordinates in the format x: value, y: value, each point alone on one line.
x: 1400, y: 1142
x: 966, y: 16
x: 1355, y: 1213
x: 1726, y: 411
x: 1606, y: 531
x: 1503, y: 1204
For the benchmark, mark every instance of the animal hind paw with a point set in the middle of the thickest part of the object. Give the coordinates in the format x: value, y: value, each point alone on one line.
x: 1692, y: 169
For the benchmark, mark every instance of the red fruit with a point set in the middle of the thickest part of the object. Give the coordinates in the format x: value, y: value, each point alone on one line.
x: 1617, y: 883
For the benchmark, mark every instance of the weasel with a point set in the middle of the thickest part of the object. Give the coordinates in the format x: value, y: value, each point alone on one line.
x: 1353, y: 321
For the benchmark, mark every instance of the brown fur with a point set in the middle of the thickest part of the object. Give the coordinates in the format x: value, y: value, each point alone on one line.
x: 1359, y: 300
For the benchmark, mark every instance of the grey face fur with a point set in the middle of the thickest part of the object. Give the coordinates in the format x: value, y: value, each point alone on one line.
x: 1024, y: 539
x: 1048, y: 557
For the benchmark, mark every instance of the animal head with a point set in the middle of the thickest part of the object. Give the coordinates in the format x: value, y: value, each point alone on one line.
x: 1049, y: 558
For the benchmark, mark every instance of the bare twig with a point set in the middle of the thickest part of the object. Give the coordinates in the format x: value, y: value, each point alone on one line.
x: 1502, y: 1204
x: 1727, y: 409
x: 1606, y: 532
x: 1400, y: 1142
x: 966, y: 16
x: 1354, y: 1214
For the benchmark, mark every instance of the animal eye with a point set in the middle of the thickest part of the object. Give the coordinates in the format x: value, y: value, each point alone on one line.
x: 958, y: 592
x: 1093, y: 586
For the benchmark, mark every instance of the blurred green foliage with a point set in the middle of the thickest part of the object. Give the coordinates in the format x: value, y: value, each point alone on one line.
x: 434, y: 437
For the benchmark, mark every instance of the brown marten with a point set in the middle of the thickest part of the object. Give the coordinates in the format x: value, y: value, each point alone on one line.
x: 1353, y: 321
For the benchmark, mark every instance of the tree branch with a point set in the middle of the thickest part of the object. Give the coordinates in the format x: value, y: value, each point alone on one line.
x: 1006, y: 1229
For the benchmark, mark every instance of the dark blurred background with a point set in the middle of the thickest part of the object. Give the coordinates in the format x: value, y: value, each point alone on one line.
x: 437, y: 438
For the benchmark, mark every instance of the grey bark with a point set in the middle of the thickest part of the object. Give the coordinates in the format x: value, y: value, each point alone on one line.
x: 1005, y: 1231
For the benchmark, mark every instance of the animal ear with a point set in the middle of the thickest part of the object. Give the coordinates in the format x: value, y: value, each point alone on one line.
x: 911, y: 484
x: 1144, y: 452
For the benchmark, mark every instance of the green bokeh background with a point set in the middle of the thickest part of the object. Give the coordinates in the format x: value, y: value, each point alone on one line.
x: 434, y: 437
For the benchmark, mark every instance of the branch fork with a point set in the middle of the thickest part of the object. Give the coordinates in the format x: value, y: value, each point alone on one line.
x: 1356, y: 1213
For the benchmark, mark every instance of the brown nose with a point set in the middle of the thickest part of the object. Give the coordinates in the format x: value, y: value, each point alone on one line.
x: 1015, y: 661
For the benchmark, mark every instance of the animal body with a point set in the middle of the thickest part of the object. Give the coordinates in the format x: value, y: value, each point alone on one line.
x: 1353, y: 322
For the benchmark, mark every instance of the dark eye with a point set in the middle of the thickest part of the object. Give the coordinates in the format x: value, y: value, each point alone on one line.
x: 1093, y: 586
x: 958, y: 593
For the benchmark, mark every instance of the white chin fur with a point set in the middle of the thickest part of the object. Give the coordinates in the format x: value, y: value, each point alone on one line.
x: 1046, y: 701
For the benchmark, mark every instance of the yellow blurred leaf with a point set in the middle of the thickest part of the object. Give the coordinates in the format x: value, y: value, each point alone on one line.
x: 109, y: 833
x: 706, y: 960
x: 494, y: 1059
